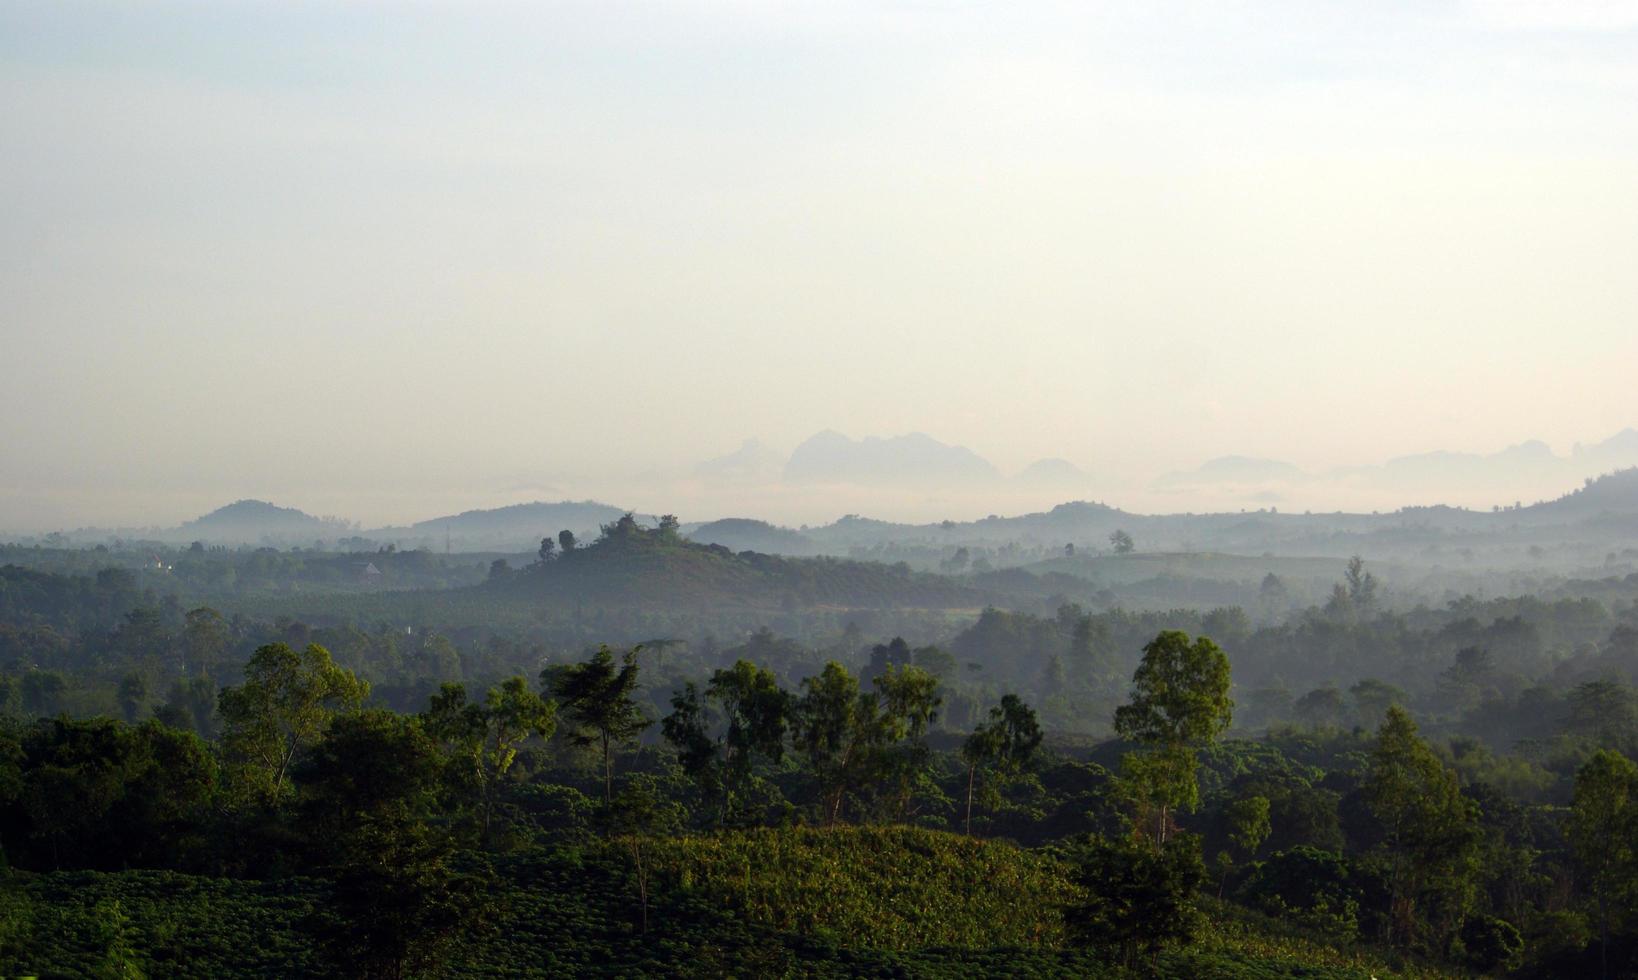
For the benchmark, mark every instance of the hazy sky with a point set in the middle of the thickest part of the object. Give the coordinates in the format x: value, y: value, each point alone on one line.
x: 382, y: 259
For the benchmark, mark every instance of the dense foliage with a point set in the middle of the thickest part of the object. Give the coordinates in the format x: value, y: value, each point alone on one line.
x: 188, y: 791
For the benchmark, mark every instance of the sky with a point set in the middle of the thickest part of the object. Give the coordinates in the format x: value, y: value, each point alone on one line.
x: 385, y: 260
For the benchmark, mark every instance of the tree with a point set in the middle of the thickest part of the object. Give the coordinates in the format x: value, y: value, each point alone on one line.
x: 596, y: 697
x: 622, y: 531
x: 1087, y: 639
x: 1246, y: 825
x: 131, y: 694
x: 835, y: 723
x: 286, y: 701
x: 1465, y: 682
x: 1373, y: 698
x: 103, y: 794
x: 1309, y: 885
x: 1272, y: 596
x: 1490, y: 944
x: 548, y: 550
x: 1005, y: 743
x: 484, y: 738
x: 1122, y: 542
x: 1139, y: 898
x: 1320, y: 708
x: 883, y: 656
x: 1603, y: 831
x: 565, y: 541
x: 1179, y: 700
x: 1428, y: 834
x: 1361, y: 585
x: 909, y: 705
x: 639, y: 812
x: 190, y: 704
x: 688, y: 729
x: 142, y: 638
x: 757, y: 712
x: 1604, y: 710
x: 11, y: 696
x: 42, y: 693
x: 370, y: 767
x: 205, y: 638
x: 750, y: 720
x: 854, y: 738
x: 368, y: 796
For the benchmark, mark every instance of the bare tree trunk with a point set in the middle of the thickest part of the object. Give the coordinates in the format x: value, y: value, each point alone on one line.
x: 1603, y: 937
x: 642, y: 880
x: 972, y: 773
x: 608, y: 772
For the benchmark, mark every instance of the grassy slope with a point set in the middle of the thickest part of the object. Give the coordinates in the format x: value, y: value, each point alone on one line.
x: 866, y: 901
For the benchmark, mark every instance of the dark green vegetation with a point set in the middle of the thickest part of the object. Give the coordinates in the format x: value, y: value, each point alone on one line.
x: 347, y: 780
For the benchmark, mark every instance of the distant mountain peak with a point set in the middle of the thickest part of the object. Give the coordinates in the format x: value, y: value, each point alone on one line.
x: 906, y: 460
x: 1623, y: 443
x: 251, y: 508
x: 252, y: 520
x: 752, y: 461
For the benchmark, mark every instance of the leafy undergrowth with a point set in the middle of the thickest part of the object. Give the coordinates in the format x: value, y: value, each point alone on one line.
x: 844, y: 902
x: 875, y: 887
x: 1269, y: 947
x: 88, y: 924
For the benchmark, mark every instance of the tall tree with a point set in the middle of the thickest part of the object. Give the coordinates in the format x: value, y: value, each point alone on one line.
x: 689, y: 730
x: 597, y: 699
x: 369, y: 793
x: 1246, y: 825
x: 855, y: 739
x: 1179, y: 701
x: 1361, y: 585
x: 909, y: 705
x: 285, y: 703
x: 1603, y: 831
x: 484, y: 738
x: 1004, y: 743
x: 756, y: 713
x: 132, y: 694
x: 1429, y: 834
x: 835, y: 725
x: 205, y: 638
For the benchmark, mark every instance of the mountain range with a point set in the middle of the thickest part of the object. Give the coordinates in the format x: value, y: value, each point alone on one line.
x: 1599, y: 517
x: 1522, y: 471
x: 830, y: 458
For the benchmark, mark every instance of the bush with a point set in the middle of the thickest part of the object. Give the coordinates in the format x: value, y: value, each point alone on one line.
x: 1308, y: 886
x: 1491, y: 944
x: 1139, y: 899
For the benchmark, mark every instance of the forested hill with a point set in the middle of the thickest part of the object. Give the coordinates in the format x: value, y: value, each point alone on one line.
x: 631, y: 564
x: 256, y: 520
x: 1583, y: 524
x: 500, y: 528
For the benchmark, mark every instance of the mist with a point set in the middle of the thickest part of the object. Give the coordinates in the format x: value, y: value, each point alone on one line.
x: 392, y: 263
